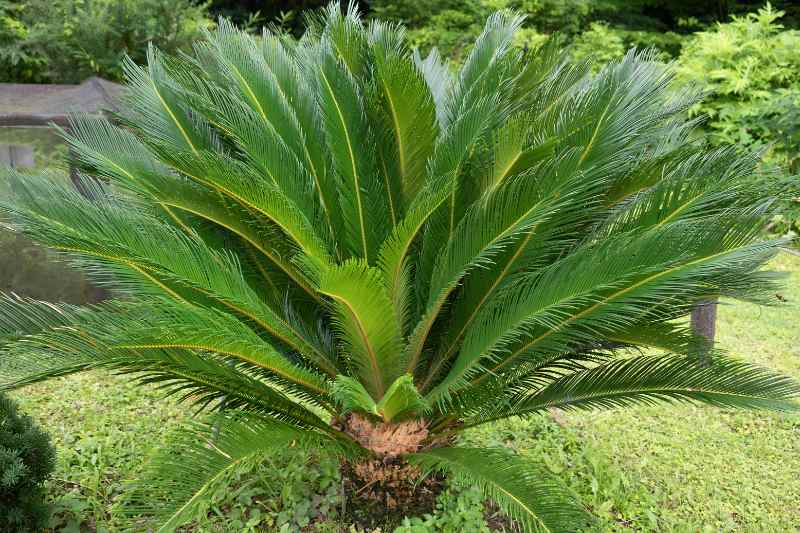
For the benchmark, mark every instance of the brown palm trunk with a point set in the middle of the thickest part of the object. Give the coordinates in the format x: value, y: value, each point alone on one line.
x: 385, y: 484
x: 704, y: 321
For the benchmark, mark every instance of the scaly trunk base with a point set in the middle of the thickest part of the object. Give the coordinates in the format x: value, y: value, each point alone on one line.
x: 380, y: 493
x: 386, y: 487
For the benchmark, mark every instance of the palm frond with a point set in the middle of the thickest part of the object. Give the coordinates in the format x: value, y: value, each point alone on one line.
x: 152, y: 105
x: 364, y: 317
x: 351, y: 395
x: 189, y: 327
x: 718, y: 380
x: 198, y: 458
x: 527, y: 492
x: 408, y: 115
x: 362, y: 193
x: 604, y: 302
x: 38, y: 316
x: 402, y: 399
x: 137, y: 250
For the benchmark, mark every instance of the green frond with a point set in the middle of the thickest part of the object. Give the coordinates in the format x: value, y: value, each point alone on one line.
x: 395, y: 258
x: 259, y: 79
x: 363, y: 196
x: 116, y: 154
x: 719, y: 381
x: 268, y: 155
x: 346, y: 37
x: 246, y: 186
x: 505, y: 219
x: 364, y: 318
x: 37, y: 316
x: 202, y: 379
x: 111, y: 152
x: 232, y: 374
x: 351, y: 395
x: 408, y: 115
x: 198, y: 457
x: 438, y: 78
x: 452, y: 149
x: 489, y: 65
x: 144, y: 252
x: 479, y: 100
x: 266, y: 239
x: 526, y: 491
x: 507, y: 151
x: 402, y: 399
x: 194, y: 328
x: 661, y: 272
x: 153, y: 105
x: 696, y: 187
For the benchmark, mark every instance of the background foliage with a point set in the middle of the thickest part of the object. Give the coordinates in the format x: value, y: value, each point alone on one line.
x: 63, y: 41
x: 66, y: 41
x: 751, y: 70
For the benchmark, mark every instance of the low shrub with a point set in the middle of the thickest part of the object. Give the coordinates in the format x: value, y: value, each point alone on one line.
x: 26, y: 460
x: 751, y: 71
x: 599, y: 42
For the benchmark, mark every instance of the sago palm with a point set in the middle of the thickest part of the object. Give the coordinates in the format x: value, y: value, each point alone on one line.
x: 335, y: 245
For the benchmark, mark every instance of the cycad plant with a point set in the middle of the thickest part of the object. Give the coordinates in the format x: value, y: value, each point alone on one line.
x: 334, y: 244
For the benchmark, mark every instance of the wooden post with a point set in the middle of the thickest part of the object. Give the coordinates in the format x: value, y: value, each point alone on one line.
x: 16, y: 155
x: 704, y: 320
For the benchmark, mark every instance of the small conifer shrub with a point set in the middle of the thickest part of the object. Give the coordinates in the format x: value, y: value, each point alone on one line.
x: 27, y: 459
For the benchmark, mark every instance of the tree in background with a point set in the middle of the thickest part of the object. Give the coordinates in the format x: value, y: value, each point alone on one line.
x: 67, y: 41
x: 20, y: 60
x: 748, y: 66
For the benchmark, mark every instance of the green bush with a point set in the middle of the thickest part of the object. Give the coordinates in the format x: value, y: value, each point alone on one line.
x: 600, y: 43
x: 751, y: 70
x: 18, y: 60
x: 603, y: 43
x: 451, y: 25
x: 26, y: 460
x: 564, y: 16
x: 458, y: 510
x: 668, y: 44
x: 66, y: 41
x: 748, y: 66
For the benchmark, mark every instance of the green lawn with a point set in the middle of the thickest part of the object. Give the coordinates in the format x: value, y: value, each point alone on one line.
x: 677, y: 468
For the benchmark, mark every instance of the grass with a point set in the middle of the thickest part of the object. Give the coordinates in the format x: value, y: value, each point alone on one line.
x: 677, y: 468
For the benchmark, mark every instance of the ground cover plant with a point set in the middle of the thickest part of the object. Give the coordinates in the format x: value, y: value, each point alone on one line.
x: 336, y: 246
